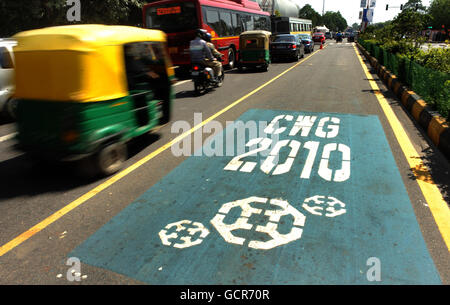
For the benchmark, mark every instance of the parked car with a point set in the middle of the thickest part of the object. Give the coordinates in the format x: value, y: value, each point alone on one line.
x: 287, y: 45
x: 328, y: 35
x: 307, y: 42
x: 319, y: 37
x: 7, y: 103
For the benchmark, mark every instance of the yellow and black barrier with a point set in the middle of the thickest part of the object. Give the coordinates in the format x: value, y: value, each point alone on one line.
x: 436, y: 126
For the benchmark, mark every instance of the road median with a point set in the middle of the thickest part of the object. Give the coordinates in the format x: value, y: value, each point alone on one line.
x: 435, y: 125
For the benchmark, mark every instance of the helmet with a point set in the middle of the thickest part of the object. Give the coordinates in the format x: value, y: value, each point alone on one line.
x: 201, y: 33
x: 208, y: 37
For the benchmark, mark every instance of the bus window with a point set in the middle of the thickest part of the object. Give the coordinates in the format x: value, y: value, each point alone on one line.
x: 257, y: 23
x: 212, y: 19
x: 248, y: 22
x: 266, y: 26
x: 227, y: 27
x: 173, y: 17
x: 237, y: 24
x: 282, y: 27
x: 263, y: 23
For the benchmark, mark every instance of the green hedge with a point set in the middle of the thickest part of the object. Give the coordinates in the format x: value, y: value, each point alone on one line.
x: 433, y: 86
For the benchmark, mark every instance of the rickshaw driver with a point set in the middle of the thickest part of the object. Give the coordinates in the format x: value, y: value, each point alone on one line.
x: 201, y: 54
x: 137, y: 71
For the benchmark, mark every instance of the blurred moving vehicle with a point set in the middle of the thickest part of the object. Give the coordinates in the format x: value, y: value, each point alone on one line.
x: 319, y: 37
x: 84, y: 91
x: 350, y: 37
x: 254, y: 50
x: 307, y: 42
x: 7, y: 102
x: 287, y: 46
x: 328, y: 35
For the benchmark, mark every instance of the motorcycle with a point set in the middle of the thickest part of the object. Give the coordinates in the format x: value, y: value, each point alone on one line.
x: 203, y: 78
x: 339, y: 39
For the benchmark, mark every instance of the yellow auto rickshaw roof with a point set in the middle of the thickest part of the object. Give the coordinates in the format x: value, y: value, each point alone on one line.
x: 79, y: 63
x: 256, y: 33
x: 83, y: 37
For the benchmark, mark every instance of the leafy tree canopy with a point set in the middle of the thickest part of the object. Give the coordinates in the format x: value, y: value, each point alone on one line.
x: 16, y: 16
x: 334, y: 21
x: 439, y: 11
x: 307, y: 12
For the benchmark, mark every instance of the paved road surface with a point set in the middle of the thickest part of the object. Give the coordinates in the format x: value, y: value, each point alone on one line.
x: 333, y: 201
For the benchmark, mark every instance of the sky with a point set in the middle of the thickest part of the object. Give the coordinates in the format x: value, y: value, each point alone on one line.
x: 350, y: 8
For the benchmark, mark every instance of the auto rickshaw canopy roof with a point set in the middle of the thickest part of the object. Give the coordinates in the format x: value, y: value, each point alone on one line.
x: 79, y: 63
x: 84, y: 37
x: 263, y: 36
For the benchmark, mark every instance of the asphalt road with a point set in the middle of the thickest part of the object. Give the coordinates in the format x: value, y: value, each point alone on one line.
x: 109, y: 234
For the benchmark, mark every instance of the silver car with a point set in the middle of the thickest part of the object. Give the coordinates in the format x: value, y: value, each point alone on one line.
x: 7, y: 103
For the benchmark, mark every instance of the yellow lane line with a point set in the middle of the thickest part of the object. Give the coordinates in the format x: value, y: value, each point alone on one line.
x: 57, y: 215
x: 436, y: 203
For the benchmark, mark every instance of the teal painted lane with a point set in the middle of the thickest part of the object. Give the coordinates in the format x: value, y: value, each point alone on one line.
x: 316, y: 199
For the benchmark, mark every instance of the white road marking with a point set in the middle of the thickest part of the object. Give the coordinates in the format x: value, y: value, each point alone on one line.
x: 182, y: 82
x: 8, y: 137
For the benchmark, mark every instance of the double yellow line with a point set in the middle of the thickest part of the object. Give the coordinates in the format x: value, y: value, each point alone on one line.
x: 74, y: 204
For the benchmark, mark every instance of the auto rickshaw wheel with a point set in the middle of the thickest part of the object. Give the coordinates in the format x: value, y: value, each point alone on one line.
x: 111, y: 157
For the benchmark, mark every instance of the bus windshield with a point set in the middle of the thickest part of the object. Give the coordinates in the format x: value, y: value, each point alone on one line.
x: 173, y: 17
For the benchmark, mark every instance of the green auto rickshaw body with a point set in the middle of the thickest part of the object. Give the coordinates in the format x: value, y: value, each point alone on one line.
x: 77, y: 92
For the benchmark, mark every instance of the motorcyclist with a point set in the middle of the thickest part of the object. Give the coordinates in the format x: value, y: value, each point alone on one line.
x: 201, y: 53
x: 339, y: 36
x: 216, y: 65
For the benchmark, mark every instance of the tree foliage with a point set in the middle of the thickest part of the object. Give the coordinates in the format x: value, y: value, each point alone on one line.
x: 334, y: 21
x: 307, y: 12
x: 439, y: 11
x: 16, y: 16
x: 413, y: 5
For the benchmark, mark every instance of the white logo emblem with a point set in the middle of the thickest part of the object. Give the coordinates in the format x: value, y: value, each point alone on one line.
x: 187, y: 240
x: 320, y: 203
x: 270, y: 229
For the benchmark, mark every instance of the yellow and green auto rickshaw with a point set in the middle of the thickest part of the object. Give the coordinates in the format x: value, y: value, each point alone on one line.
x: 254, y: 50
x: 85, y: 90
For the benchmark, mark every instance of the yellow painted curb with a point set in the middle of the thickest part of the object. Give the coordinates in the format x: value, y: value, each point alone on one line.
x: 417, y: 108
x: 435, y: 128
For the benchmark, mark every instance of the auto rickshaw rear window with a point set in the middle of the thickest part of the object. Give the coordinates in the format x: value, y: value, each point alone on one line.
x: 251, y: 43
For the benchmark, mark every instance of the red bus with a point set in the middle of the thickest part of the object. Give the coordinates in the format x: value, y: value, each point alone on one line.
x: 223, y: 19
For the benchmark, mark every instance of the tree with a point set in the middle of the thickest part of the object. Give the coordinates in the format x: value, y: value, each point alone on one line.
x: 334, y: 21
x: 409, y: 23
x: 16, y: 16
x: 355, y: 26
x: 307, y: 12
x: 439, y: 11
x: 414, y: 5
